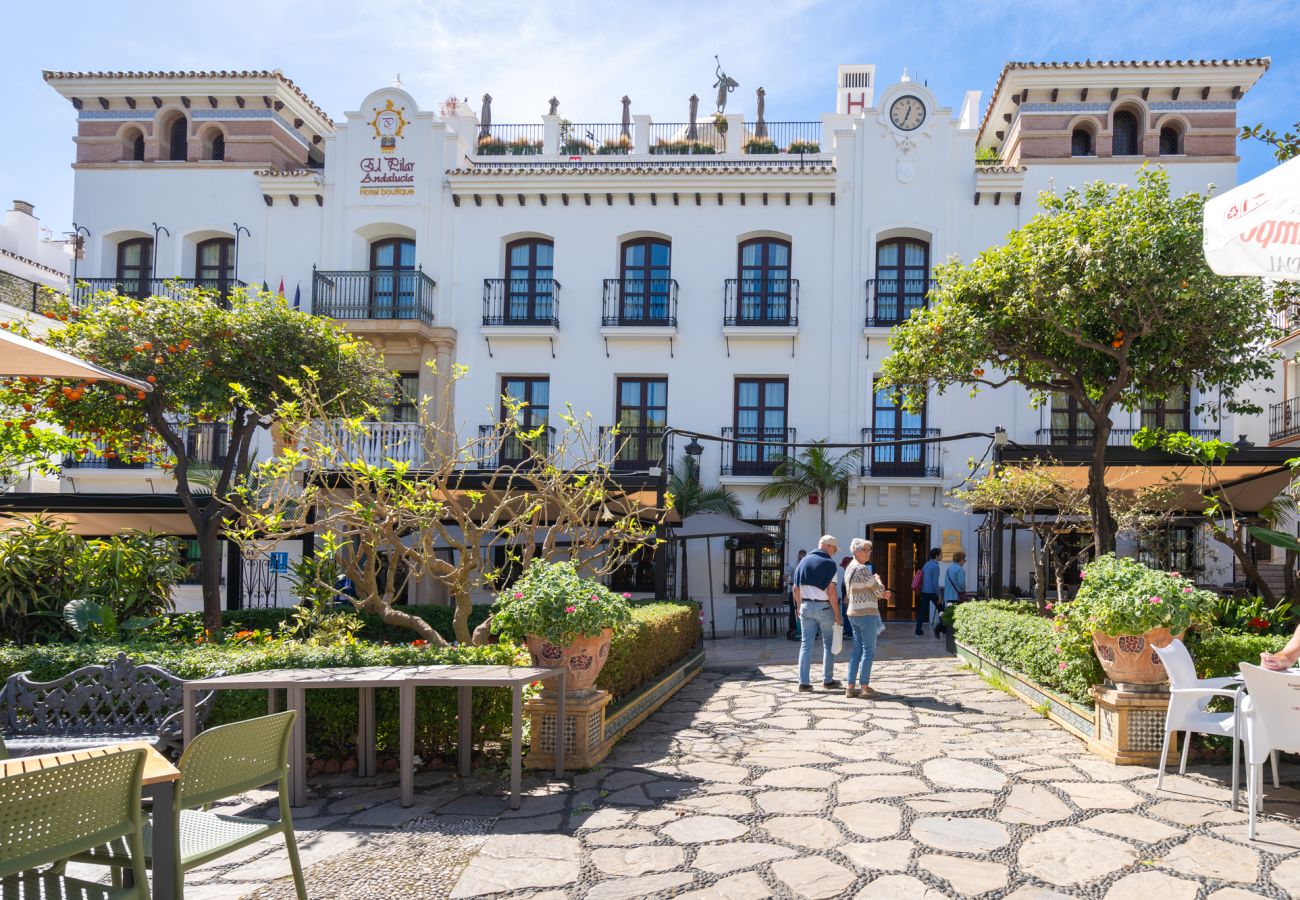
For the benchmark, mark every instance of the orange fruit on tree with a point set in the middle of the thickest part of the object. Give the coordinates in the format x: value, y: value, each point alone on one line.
x: 152, y: 379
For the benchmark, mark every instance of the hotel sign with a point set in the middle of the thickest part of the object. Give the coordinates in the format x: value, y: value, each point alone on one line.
x: 387, y: 175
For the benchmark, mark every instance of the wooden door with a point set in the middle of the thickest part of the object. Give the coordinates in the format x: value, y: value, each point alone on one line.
x: 898, y: 550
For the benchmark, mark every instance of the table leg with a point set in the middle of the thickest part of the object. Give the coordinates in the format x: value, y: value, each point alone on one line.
x: 464, y: 713
x: 516, y: 739
x: 187, y: 717
x: 167, y: 877
x: 406, y: 741
x: 1236, y: 744
x: 272, y: 701
x: 366, y: 732
x: 560, y: 724
x: 297, y: 700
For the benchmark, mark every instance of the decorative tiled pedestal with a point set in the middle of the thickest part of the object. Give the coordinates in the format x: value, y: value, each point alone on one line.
x: 1129, y: 724
x: 584, y: 731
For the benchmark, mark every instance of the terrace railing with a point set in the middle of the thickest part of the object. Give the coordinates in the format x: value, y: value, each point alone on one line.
x: 639, y: 301
x: 631, y: 449
x: 363, y: 294
x: 891, y: 301
x: 783, y: 137
x: 1284, y: 419
x: 756, y: 451
x: 510, y: 140
x: 907, y: 460
x: 761, y: 301
x: 497, y: 448
x: 1119, y: 437
x: 84, y: 291
x: 521, y: 301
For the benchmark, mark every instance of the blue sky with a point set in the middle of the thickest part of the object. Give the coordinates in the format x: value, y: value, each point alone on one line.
x: 589, y: 54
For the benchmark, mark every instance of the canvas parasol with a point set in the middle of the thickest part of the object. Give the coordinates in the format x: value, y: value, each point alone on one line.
x: 709, y: 525
x: 1254, y: 229
x: 19, y: 356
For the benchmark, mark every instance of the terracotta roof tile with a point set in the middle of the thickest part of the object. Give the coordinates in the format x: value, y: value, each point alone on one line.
x: 248, y: 73
x: 819, y: 167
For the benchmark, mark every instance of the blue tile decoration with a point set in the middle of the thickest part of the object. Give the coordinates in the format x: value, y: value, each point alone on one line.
x: 651, y: 696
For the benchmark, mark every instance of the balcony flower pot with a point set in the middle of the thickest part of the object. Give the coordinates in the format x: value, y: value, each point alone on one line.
x: 1124, y: 610
x: 564, y: 619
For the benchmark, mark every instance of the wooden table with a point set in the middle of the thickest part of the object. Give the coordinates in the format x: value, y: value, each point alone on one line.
x: 405, y: 679
x: 158, y: 785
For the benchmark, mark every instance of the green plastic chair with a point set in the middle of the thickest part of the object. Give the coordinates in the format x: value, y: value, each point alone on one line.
x: 51, y: 814
x: 222, y: 762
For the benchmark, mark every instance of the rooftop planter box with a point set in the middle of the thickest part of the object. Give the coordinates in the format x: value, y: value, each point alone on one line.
x: 683, y: 148
x: 615, y: 147
x: 796, y: 147
x: 761, y: 145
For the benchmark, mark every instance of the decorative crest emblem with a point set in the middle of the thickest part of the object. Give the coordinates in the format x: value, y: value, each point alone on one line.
x: 388, y: 124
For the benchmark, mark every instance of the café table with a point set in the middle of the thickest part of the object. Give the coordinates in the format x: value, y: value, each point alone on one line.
x: 296, y: 683
x: 158, y: 785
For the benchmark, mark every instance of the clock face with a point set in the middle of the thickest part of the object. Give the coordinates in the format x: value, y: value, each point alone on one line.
x: 907, y: 113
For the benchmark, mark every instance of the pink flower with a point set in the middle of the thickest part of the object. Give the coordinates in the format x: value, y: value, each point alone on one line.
x: 1058, y: 650
x: 627, y: 596
x: 570, y: 609
x: 1063, y: 665
x: 1176, y: 574
x: 1187, y: 590
x: 1154, y: 600
x: 1050, y: 605
x: 594, y: 597
x: 1083, y: 574
x: 519, y: 595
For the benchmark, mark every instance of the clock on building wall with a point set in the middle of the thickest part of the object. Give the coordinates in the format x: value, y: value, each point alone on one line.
x: 907, y: 113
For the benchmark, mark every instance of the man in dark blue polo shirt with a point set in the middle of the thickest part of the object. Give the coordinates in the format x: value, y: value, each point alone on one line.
x: 819, y: 610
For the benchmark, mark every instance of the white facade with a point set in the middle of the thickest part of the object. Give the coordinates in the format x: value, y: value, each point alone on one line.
x: 877, y: 177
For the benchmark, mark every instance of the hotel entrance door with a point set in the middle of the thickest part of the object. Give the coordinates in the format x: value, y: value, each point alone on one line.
x: 897, y: 551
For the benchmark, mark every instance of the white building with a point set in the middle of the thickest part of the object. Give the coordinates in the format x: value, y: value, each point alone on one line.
x: 687, y: 280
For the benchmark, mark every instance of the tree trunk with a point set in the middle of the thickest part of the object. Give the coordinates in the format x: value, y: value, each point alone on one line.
x: 1241, y: 550
x: 1288, y: 575
x: 391, y: 616
x: 460, y: 621
x: 683, y: 592
x: 1103, y: 524
x: 821, y: 511
x: 207, y: 532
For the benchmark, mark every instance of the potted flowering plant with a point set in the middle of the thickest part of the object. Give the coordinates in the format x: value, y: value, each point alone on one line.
x: 1126, y: 609
x: 565, y: 620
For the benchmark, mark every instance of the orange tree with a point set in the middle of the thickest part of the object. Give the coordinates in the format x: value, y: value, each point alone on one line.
x: 1104, y: 297
x: 208, y: 363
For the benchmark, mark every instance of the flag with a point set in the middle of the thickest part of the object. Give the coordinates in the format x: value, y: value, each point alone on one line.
x: 281, y: 292
x: 297, y: 296
x: 266, y: 288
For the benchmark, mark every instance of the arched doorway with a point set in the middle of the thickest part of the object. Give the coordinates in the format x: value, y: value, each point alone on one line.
x: 898, y: 549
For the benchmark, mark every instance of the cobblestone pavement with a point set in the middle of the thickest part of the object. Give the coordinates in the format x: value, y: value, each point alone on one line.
x: 742, y: 787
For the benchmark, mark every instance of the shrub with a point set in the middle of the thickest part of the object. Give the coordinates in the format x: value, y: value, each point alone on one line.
x: 188, y: 626
x: 522, y: 146
x: 1251, y: 615
x: 804, y: 147
x: 1027, y: 644
x: 331, y: 714
x: 659, y: 635
x: 683, y: 147
x: 44, y: 566
x: 553, y: 601
x: 761, y: 145
x: 576, y: 147
x: 618, y: 145
x: 490, y: 146
x: 1218, y: 653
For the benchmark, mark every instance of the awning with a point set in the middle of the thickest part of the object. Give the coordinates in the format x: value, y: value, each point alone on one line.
x: 19, y: 356
x: 103, y: 524
x: 1254, y: 229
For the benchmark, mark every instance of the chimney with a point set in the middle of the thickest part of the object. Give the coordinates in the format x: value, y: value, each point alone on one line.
x: 24, y: 207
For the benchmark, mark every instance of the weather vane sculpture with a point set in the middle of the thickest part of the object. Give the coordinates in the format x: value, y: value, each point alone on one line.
x: 725, y: 85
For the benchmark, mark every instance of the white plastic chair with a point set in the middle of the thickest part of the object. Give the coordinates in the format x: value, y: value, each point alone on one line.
x: 1188, y: 698
x: 1271, y: 722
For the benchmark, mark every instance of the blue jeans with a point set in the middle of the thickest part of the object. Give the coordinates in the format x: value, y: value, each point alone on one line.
x: 865, y: 631
x: 815, y: 617
x: 923, y: 609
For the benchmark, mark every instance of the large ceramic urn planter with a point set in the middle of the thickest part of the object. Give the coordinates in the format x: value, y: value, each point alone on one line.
x: 583, y: 658
x: 1132, y: 659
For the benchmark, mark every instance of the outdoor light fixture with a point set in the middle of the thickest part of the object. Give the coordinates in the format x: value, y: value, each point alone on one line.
x: 999, y: 436
x: 694, y: 448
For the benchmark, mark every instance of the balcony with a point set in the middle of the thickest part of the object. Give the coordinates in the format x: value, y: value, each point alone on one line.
x: 904, y: 460
x: 84, y: 291
x: 522, y: 302
x: 639, y: 303
x: 205, y: 444
x: 632, y: 449
x: 380, y: 443
x: 361, y: 295
x: 1119, y: 437
x: 1284, y: 419
x: 891, y: 302
x: 759, y: 303
x: 755, y: 452
x: 496, y: 449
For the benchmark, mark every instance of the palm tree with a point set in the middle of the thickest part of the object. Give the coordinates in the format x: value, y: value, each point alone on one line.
x: 689, y: 496
x: 814, y: 471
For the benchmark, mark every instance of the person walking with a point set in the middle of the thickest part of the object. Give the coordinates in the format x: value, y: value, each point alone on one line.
x: 864, y: 592
x: 791, y: 604
x: 819, y: 610
x: 929, y: 589
x: 954, y: 585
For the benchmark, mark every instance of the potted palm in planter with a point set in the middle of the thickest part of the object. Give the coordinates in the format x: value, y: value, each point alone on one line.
x: 563, y: 618
x: 1127, y: 609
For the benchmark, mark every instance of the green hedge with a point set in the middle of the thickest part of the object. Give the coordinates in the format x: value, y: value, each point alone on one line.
x: 440, y: 617
x: 660, y: 635
x: 1219, y: 653
x: 1012, y: 635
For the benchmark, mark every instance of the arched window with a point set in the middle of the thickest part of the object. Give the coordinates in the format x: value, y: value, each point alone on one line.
x: 1081, y: 143
x: 392, y: 279
x: 530, y: 282
x: 1124, y: 134
x: 178, y: 139
x: 902, y: 279
x: 214, y: 268
x: 765, y: 287
x: 1171, y: 141
x: 218, y: 151
x: 135, y: 267
x: 133, y: 145
x: 646, y: 280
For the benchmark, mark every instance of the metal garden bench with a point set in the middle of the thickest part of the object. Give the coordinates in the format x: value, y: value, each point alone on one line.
x: 95, y: 705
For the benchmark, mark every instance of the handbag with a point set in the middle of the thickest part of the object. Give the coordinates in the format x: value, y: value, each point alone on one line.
x: 916, y: 580
x: 837, y: 638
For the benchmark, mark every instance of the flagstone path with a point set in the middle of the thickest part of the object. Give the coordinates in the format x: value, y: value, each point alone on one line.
x: 741, y: 787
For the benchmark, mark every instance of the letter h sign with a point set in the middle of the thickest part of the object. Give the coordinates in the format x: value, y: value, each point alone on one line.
x: 855, y: 102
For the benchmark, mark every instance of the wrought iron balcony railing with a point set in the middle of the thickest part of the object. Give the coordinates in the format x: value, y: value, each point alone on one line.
x: 906, y: 460
x: 632, y: 449
x: 772, y: 302
x: 1119, y: 437
x: 84, y: 291
x: 365, y: 295
x: 756, y: 451
x: 205, y: 444
x: 1284, y: 419
x: 891, y: 301
x: 497, y: 448
x: 639, y: 301
x: 521, y: 301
